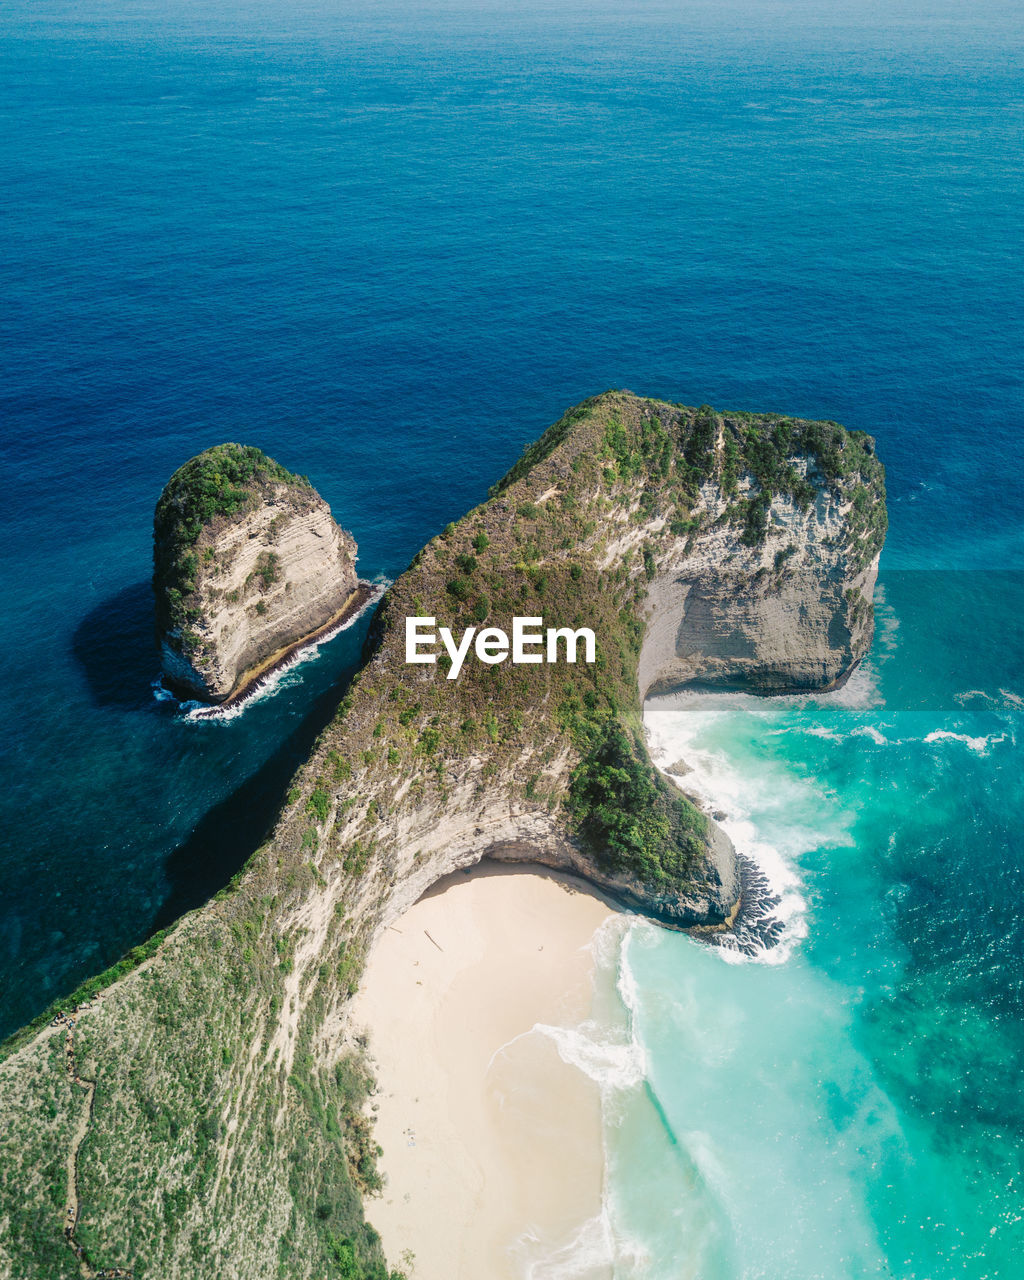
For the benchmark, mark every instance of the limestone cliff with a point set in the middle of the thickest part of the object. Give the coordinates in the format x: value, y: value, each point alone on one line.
x: 225, y: 1135
x: 787, y: 612
x: 247, y: 561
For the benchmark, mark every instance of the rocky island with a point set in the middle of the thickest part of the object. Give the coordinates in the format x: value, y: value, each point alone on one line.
x: 247, y: 564
x: 225, y: 1132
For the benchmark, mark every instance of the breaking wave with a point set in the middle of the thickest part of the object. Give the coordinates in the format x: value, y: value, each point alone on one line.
x: 277, y: 677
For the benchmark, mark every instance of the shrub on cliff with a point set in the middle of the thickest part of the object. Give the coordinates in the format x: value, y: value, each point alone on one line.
x: 631, y: 820
x: 221, y: 482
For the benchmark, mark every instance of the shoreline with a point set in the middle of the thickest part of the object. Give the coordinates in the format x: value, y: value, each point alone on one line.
x: 493, y: 1151
x: 252, y: 680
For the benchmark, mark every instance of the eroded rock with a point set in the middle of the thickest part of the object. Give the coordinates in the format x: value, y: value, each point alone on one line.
x: 248, y: 562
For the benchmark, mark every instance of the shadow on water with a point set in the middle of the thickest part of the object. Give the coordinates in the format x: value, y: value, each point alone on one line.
x: 115, y: 646
x: 232, y: 830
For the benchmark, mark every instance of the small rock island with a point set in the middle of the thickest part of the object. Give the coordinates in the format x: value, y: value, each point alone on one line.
x: 248, y: 563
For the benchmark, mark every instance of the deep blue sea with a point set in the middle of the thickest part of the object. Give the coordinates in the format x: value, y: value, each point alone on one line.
x: 389, y: 243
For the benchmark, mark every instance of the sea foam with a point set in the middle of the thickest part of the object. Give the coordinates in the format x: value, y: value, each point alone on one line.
x: 771, y: 815
x: 276, y: 679
x: 605, y: 1049
x: 593, y: 1251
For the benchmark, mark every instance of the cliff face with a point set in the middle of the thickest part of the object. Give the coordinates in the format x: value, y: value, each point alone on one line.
x: 729, y: 549
x: 735, y: 551
x: 788, y: 613
x: 247, y: 561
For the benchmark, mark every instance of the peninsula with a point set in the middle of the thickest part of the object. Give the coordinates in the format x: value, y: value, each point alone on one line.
x: 226, y: 1133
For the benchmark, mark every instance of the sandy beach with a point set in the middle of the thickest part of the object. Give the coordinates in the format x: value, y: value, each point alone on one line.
x: 492, y: 1144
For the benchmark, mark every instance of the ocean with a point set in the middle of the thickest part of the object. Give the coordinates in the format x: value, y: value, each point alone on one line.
x: 389, y: 243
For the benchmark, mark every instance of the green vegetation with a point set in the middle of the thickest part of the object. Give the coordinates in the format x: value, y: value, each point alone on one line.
x: 218, y: 484
x: 699, y: 450
x: 769, y: 448
x: 319, y: 804
x: 540, y: 449
x: 84, y: 992
x: 268, y: 570
x: 630, y: 818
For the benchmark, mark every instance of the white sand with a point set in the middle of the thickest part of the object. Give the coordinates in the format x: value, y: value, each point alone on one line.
x: 491, y: 1158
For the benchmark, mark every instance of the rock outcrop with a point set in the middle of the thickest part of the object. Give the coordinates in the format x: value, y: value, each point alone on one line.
x: 789, y: 612
x: 247, y: 563
x: 226, y: 1136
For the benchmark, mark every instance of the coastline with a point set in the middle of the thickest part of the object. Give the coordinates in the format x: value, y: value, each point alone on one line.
x: 252, y: 680
x: 492, y: 1144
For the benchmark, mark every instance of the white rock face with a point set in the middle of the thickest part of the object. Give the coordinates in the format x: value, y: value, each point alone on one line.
x: 265, y: 580
x: 791, y: 613
x: 479, y: 822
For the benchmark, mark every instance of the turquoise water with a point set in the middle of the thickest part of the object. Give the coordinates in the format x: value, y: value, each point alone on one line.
x: 389, y: 243
x: 847, y: 1104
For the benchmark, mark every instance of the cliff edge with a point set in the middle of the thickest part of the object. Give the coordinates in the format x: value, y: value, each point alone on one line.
x: 226, y: 1134
x: 247, y: 562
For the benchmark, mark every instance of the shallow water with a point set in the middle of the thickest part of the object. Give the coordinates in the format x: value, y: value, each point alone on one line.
x: 856, y: 1083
